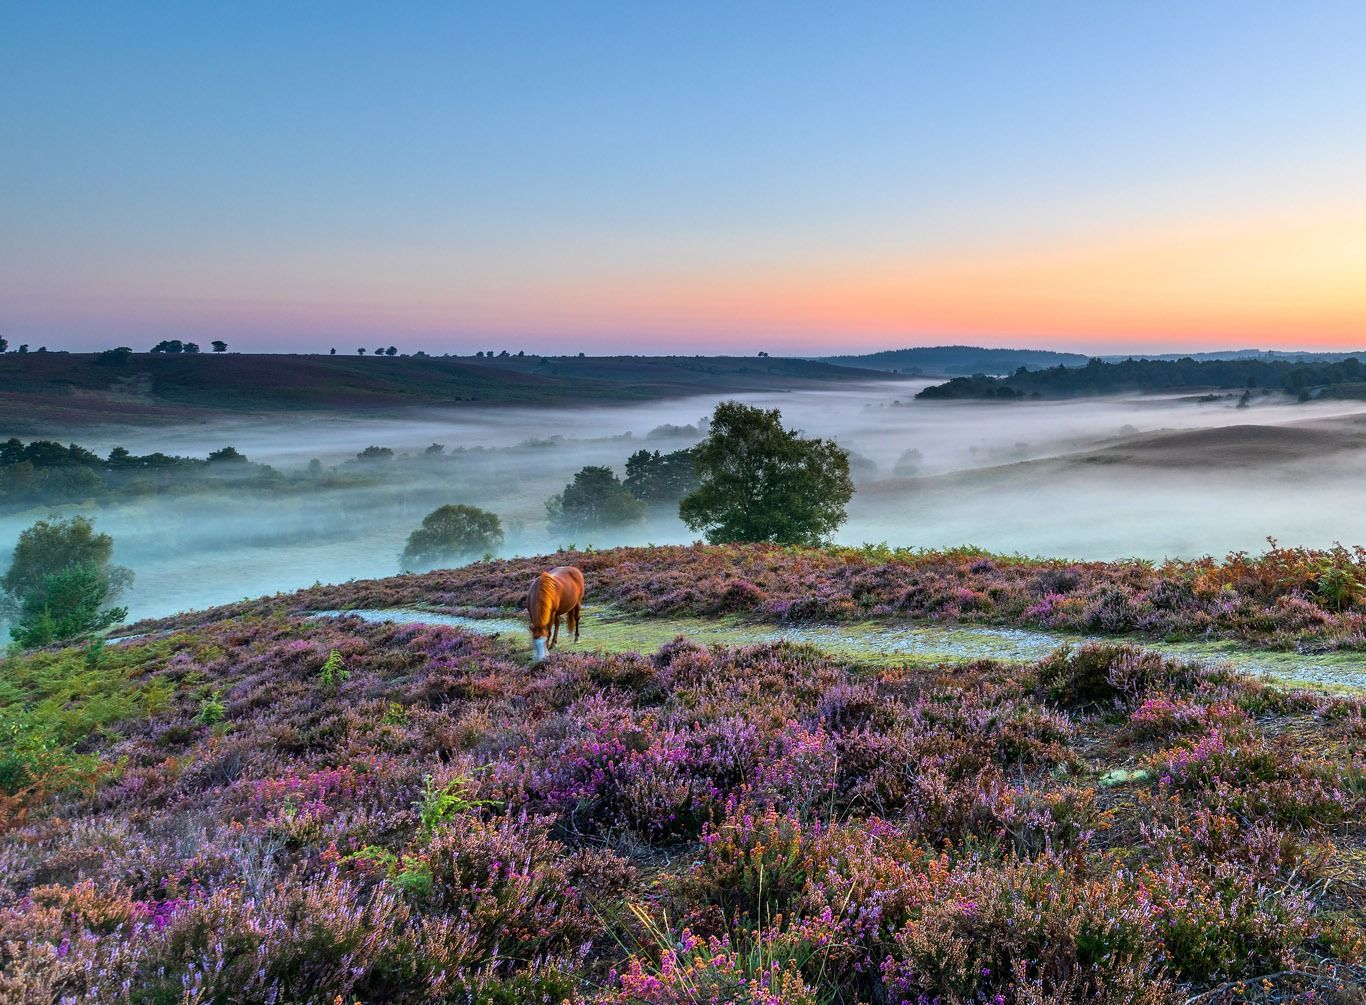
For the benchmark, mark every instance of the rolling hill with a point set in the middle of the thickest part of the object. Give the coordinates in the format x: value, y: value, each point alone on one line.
x: 268, y: 803
x: 40, y: 390
x: 950, y: 360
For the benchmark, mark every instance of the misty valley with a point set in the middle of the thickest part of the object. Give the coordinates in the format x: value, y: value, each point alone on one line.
x: 325, y: 497
x: 683, y: 504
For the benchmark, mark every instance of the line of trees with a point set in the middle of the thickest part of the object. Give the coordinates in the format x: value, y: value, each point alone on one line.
x: 751, y: 479
x: 1100, y: 377
x: 176, y: 346
x: 48, y: 472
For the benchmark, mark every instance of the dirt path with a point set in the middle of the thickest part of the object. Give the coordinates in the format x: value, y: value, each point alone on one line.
x: 609, y: 630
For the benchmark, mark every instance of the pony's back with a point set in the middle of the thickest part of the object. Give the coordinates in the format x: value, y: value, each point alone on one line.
x: 552, y: 594
x: 570, y: 580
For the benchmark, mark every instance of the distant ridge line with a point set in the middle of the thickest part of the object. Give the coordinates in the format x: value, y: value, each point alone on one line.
x: 964, y: 360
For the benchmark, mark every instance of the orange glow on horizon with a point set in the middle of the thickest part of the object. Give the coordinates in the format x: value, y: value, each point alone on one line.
x: 1281, y: 282
x: 1293, y: 281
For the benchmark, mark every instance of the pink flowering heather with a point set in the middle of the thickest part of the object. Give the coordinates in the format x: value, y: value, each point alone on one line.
x: 201, y: 815
x: 1272, y: 599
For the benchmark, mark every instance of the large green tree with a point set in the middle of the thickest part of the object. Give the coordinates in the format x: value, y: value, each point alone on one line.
x: 451, y: 533
x: 762, y: 482
x: 594, y: 500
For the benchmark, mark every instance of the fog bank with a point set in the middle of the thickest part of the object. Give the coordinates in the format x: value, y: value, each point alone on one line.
x: 1083, y: 479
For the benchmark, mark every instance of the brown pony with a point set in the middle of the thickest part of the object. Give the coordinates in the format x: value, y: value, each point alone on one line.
x: 554, y: 594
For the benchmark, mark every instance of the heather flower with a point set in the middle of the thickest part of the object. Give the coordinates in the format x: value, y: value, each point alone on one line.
x: 705, y: 823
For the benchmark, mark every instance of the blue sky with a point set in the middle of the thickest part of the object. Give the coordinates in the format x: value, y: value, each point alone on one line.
x: 782, y: 176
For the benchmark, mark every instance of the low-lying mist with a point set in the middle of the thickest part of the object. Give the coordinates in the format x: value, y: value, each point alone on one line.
x: 1088, y: 479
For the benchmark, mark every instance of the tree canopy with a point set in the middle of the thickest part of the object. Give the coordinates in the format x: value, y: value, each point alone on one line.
x: 53, y: 545
x: 658, y: 479
x: 114, y: 357
x: 762, y: 482
x: 71, y: 604
x: 593, y: 500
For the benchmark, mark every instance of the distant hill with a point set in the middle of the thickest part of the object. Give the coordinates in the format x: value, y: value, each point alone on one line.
x: 966, y: 360
x: 1266, y: 355
x: 43, y: 390
x: 1129, y: 375
x: 958, y: 359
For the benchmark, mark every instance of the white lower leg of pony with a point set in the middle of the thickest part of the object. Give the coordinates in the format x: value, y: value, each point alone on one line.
x: 538, y: 650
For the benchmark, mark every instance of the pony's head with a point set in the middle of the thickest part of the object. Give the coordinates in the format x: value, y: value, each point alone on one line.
x: 538, y: 650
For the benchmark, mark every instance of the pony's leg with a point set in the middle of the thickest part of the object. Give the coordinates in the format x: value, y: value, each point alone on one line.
x: 555, y: 635
x: 574, y: 615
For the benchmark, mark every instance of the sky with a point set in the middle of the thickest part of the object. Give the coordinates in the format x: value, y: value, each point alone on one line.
x: 648, y: 177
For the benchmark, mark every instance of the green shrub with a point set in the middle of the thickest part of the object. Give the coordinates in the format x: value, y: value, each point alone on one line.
x: 1338, y: 586
x: 441, y: 802
x: 333, y: 673
x: 69, y: 605
x: 211, y: 709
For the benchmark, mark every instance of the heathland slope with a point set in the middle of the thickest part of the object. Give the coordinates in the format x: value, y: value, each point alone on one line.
x: 263, y: 805
x: 79, y: 388
x: 1287, y: 597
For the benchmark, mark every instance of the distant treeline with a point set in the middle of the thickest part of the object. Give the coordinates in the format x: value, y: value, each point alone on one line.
x: 47, y: 472
x: 1099, y: 377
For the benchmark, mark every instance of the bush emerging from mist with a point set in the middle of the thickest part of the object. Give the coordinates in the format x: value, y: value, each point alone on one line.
x: 450, y: 534
x: 909, y: 464
x: 60, y: 578
x: 70, y: 604
x: 762, y: 482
